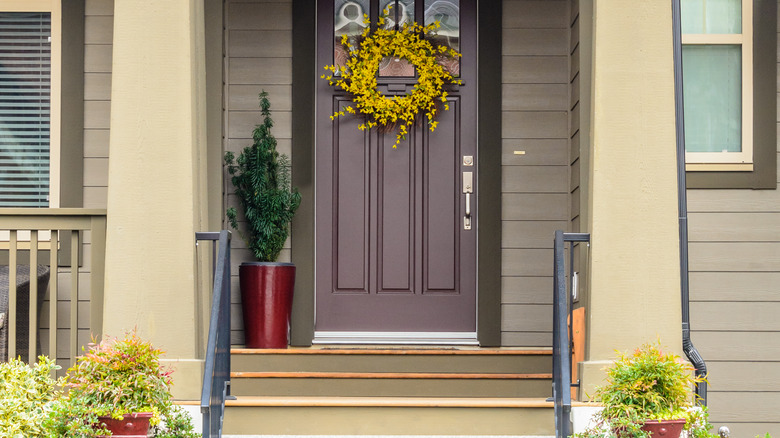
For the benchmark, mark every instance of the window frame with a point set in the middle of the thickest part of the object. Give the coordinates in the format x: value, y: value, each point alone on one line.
x: 54, y: 7
x: 731, y: 161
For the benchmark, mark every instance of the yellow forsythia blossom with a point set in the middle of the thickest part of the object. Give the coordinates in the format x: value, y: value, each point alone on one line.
x: 359, y: 76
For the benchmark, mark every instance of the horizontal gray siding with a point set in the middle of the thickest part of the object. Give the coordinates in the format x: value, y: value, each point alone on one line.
x: 535, y: 186
x: 258, y: 38
x: 735, y: 302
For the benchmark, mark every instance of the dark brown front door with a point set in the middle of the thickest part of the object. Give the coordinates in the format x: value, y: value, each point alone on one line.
x: 393, y: 253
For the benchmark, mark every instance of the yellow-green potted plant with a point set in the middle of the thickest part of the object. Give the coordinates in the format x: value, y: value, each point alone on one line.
x: 648, y: 393
x: 117, y: 388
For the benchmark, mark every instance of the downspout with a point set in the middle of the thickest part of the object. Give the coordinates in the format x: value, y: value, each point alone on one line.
x: 682, y: 199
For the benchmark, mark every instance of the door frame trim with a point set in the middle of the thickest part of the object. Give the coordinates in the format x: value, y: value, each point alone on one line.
x: 304, y: 75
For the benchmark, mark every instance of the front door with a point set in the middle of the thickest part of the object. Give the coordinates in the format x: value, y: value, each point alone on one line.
x: 394, y: 252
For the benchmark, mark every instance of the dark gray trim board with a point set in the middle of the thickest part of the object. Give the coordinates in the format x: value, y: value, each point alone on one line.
x: 764, y: 174
x: 304, y: 74
x: 489, y: 153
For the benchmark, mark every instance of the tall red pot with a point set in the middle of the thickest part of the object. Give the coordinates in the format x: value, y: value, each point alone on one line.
x: 134, y: 425
x: 266, y: 297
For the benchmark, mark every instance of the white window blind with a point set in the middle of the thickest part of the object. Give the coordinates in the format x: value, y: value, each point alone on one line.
x: 717, y: 81
x: 25, y: 96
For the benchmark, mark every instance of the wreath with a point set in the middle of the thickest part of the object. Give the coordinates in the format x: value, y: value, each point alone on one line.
x: 359, y: 76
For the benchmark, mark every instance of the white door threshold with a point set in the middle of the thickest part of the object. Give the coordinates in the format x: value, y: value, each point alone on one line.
x: 395, y: 338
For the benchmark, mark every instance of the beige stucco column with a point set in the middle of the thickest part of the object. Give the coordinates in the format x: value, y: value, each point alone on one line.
x: 156, y: 182
x: 634, y: 291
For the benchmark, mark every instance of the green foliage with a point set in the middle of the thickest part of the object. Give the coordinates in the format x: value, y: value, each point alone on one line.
x: 261, y: 177
x: 121, y: 376
x: 72, y: 418
x: 25, y: 393
x: 113, y: 378
x: 647, y: 384
x: 643, y: 386
x: 177, y: 424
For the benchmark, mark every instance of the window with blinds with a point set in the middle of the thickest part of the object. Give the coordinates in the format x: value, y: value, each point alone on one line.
x: 25, y: 96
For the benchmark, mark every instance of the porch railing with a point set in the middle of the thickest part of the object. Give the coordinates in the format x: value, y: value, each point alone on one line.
x: 562, y: 333
x: 216, y: 376
x: 67, y: 246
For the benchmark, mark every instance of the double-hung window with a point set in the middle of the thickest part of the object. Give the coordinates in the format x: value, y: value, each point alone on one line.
x: 718, y: 84
x: 29, y: 103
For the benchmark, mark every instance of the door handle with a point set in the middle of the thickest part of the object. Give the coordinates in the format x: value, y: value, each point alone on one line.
x: 468, y: 189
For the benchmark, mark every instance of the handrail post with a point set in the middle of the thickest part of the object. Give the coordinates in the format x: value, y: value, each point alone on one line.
x: 561, y: 351
x: 216, y: 376
x: 562, y: 336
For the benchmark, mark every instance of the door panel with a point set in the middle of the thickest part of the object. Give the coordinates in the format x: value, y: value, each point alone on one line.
x: 392, y: 254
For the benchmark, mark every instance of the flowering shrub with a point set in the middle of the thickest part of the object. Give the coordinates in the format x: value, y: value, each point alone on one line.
x: 359, y: 76
x: 646, y: 385
x: 120, y: 376
x: 113, y: 378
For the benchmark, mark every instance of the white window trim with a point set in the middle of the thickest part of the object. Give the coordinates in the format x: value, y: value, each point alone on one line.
x: 736, y: 161
x: 55, y: 127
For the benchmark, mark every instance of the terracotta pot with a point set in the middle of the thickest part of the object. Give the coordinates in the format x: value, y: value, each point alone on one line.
x: 266, y: 297
x: 664, y: 428
x: 135, y: 425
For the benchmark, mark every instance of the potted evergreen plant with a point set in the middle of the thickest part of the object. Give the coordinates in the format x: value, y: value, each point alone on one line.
x: 648, y: 393
x: 261, y: 177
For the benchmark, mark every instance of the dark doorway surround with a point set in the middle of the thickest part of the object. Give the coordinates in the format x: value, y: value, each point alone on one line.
x: 305, y: 75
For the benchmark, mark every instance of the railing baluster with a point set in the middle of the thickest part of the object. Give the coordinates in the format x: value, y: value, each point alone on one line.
x: 97, y: 273
x: 16, y: 224
x: 74, y: 294
x: 32, y: 319
x: 12, y: 263
x: 53, y: 296
x: 562, y: 336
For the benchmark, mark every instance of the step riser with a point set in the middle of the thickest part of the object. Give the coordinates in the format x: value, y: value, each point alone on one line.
x: 387, y: 421
x: 393, y: 363
x: 391, y: 387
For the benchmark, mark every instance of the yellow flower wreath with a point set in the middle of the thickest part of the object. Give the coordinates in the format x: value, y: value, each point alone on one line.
x: 359, y: 76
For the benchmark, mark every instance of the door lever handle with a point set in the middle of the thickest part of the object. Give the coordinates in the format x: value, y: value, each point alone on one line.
x: 468, y: 189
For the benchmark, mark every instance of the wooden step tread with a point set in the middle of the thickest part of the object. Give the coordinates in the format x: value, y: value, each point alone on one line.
x: 343, y: 375
x: 396, y: 351
x: 432, y: 402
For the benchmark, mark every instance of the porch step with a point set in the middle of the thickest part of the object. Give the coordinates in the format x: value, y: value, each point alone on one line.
x: 388, y: 416
x: 390, y: 391
x: 391, y: 373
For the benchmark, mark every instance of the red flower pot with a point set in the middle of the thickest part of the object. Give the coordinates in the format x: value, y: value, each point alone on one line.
x: 266, y: 301
x: 135, y: 425
x: 664, y: 428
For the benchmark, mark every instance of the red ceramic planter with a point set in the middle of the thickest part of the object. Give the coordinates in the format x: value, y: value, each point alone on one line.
x: 266, y: 296
x: 664, y: 428
x: 134, y: 425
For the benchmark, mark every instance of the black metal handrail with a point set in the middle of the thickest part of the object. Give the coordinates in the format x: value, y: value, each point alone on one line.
x: 216, y: 376
x: 562, y: 336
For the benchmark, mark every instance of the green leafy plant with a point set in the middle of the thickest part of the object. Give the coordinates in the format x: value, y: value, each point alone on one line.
x: 261, y: 177
x: 25, y: 394
x: 177, y: 423
x: 113, y: 378
x: 643, y: 386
